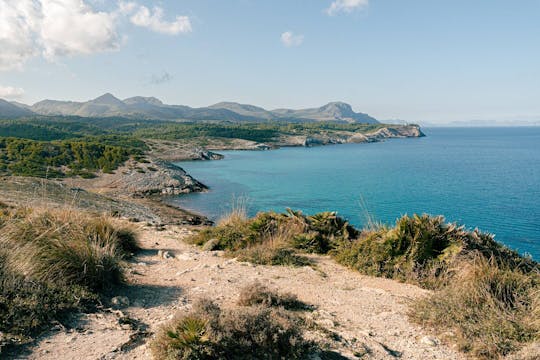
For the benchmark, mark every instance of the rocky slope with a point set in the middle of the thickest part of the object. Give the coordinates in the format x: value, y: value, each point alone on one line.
x: 343, y: 137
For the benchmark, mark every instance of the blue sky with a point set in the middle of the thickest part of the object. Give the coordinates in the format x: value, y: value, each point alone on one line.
x: 417, y: 60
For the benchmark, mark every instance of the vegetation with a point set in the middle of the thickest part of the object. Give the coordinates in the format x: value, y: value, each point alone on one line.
x: 258, y: 294
x: 486, y: 293
x: 66, y: 157
x: 272, y: 238
x: 209, y: 332
x: 53, y: 262
x: 492, y: 309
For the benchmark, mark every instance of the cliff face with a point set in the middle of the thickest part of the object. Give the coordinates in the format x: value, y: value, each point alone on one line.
x: 344, y: 137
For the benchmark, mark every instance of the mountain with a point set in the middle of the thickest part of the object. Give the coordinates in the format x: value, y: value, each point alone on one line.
x: 10, y: 110
x: 140, y: 107
x: 244, y: 109
x: 334, y: 111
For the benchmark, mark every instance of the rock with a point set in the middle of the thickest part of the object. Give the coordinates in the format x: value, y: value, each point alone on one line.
x: 167, y: 255
x: 210, y: 245
x: 184, y: 257
x: 429, y: 340
x: 120, y: 302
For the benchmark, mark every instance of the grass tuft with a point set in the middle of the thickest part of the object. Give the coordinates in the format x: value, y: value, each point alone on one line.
x: 208, y: 332
x: 492, y: 309
x: 258, y: 294
x: 54, y: 262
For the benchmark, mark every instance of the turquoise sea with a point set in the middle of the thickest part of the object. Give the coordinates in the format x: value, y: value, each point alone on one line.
x: 480, y: 177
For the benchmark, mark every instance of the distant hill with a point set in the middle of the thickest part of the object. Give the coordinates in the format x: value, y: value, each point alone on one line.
x: 10, y: 110
x: 140, y: 107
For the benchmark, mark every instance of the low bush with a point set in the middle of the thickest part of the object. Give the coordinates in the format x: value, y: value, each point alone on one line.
x: 258, y: 294
x: 54, y: 262
x: 423, y: 250
x: 208, y: 332
x: 67, y: 247
x: 273, y: 239
x: 492, y: 309
x: 28, y: 306
x: 268, y: 255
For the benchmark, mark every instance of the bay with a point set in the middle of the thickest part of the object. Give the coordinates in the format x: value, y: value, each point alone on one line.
x: 480, y: 177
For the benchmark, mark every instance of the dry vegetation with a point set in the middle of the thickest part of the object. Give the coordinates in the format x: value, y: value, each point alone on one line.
x: 54, y: 262
x: 259, y: 330
x: 486, y: 297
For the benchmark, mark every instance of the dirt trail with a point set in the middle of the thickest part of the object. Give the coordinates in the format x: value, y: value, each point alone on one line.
x: 369, y: 314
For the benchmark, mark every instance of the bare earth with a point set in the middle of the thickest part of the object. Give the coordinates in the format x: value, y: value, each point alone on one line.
x: 368, y: 314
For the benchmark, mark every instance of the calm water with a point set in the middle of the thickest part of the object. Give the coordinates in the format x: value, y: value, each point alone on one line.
x: 487, y: 178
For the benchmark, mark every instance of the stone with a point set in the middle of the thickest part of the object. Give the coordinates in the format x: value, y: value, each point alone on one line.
x: 120, y: 302
x: 429, y: 340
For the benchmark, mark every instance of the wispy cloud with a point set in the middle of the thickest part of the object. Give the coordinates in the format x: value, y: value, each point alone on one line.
x: 161, y: 78
x: 54, y: 28
x: 290, y: 39
x: 10, y: 92
x: 346, y: 6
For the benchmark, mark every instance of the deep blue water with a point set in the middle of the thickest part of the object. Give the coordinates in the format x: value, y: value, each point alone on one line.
x: 480, y: 177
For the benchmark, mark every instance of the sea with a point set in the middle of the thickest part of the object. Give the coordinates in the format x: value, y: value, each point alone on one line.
x: 485, y: 178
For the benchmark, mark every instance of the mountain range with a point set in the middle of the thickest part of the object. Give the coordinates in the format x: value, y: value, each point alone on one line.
x: 140, y: 107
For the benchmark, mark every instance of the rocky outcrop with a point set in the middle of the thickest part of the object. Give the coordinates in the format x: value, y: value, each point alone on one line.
x: 344, y: 137
x: 160, y: 178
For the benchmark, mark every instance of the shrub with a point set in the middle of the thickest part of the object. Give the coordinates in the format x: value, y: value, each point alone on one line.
x: 492, y: 309
x: 208, y: 332
x: 423, y: 250
x: 67, y: 248
x: 267, y: 255
x: 270, y: 238
x: 258, y: 294
x: 27, y: 306
x: 52, y: 263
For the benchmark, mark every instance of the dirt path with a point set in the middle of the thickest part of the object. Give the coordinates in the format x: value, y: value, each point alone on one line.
x: 367, y: 313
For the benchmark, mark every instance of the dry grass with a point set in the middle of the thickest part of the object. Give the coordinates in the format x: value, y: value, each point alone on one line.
x: 67, y: 247
x: 275, y: 239
x: 492, y: 309
x: 208, y: 332
x: 258, y: 294
x: 53, y: 262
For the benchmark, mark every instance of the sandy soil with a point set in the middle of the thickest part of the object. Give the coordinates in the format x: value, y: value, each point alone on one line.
x: 368, y: 314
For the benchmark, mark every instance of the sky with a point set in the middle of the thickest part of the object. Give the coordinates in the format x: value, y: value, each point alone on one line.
x: 416, y: 60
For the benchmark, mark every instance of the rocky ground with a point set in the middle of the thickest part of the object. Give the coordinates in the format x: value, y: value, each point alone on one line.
x: 367, y: 316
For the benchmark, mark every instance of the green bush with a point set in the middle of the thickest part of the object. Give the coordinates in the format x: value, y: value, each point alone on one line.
x: 422, y: 249
x: 208, y: 332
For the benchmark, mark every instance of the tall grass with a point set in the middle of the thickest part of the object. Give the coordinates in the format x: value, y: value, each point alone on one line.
x: 491, y: 308
x: 53, y: 262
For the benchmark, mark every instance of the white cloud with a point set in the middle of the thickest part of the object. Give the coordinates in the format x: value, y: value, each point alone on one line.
x: 346, y: 6
x: 155, y: 22
x: 71, y: 27
x: 10, y: 92
x: 289, y: 39
x: 54, y: 28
